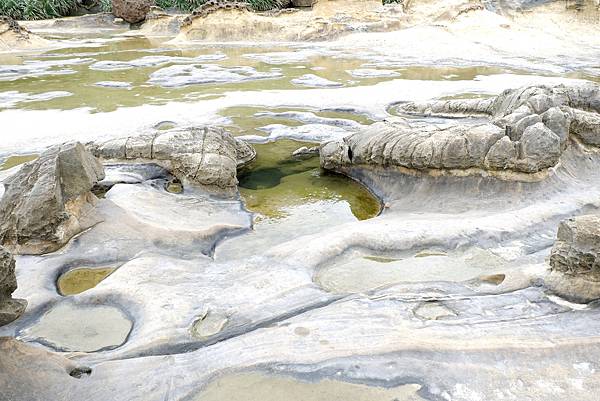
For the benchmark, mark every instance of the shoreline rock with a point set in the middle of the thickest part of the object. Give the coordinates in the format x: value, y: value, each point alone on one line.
x: 529, y: 129
x: 13, y: 36
x: 575, y: 259
x: 48, y: 200
x: 209, y: 156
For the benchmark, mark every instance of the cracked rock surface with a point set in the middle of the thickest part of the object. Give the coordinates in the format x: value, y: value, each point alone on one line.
x: 205, y: 155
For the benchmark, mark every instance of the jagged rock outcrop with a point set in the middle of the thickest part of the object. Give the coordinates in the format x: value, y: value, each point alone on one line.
x: 48, y: 200
x: 206, y: 155
x: 575, y: 259
x: 132, y: 11
x: 10, y: 308
x: 528, y: 132
x: 14, y: 36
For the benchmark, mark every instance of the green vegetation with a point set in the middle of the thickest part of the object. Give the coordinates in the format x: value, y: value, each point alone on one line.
x: 188, y: 6
x: 106, y: 5
x: 36, y: 9
x: 44, y: 9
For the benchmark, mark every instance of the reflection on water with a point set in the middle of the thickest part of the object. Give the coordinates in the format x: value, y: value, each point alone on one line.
x: 74, y: 70
x: 276, y: 181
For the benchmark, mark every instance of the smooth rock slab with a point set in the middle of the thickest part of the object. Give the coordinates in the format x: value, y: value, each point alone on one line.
x: 86, y: 328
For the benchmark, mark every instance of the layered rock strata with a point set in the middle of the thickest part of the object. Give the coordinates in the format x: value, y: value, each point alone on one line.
x: 575, y: 259
x: 528, y: 130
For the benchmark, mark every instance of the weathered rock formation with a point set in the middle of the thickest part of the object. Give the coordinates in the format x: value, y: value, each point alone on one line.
x: 575, y: 259
x: 13, y: 36
x: 212, y: 6
x: 206, y: 155
x: 10, y: 309
x: 234, y: 20
x: 528, y: 132
x: 48, y: 200
x: 132, y: 11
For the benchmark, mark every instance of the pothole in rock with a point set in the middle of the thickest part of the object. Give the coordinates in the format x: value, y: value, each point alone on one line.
x: 78, y: 280
x: 13, y: 161
x: 84, y: 328
x: 254, y: 386
x: 276, y: 181
x: 494, y: 279
x: 174, y: 186
x: 359, y: 273
x: 433, y: 311
x: 208, y: 324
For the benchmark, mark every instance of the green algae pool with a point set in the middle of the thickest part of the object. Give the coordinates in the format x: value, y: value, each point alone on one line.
x: 82, y: 279
x: 277, y: 180
x: 13, y: 161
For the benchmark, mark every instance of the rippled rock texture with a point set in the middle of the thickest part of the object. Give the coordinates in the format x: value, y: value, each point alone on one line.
x: 205, y: 155
x: 575, y: 258
x: 10, y: 309
x: 48, y: 200
x: 528, y: 132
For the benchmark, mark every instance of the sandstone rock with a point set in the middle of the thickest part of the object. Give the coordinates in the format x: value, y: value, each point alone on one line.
x: 132, y: 11
x: 206, y: 155
x: 575, y: 258
x: 234, y: 20
x: 528, y: 132
x: 13, y: 36
x: 48, y: 200
x: 10, y: 309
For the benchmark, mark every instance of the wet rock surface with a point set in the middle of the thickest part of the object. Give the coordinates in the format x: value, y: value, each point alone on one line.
x: 529, y: 131
x: 48, y: 200
x: 305, y: 284
x: 207, y: 155
x: 10, y: 308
